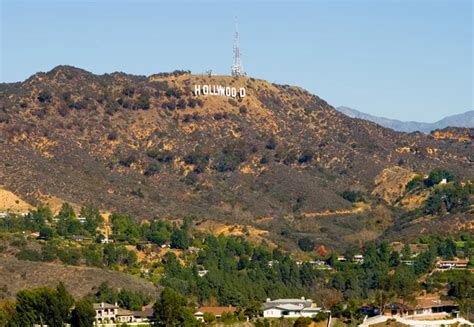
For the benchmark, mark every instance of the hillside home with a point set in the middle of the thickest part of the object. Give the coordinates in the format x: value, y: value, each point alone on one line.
x: 145, y: 315
x: 289, y: 308
x: 105, y: 312
x: 358, y: 259
x: 124, y: 315
x: 111, y: 313
x: 216, y: 311
x: 452, y: 264
x: 272, y: 262
x: 430, y: 305
x: 319, y: 264
x: 34, y: 235
x: 201, y: 271
x: 79, y: 238
x: 193, y: 249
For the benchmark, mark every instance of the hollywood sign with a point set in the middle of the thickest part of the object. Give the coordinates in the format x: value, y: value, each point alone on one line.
x: 219, y: 90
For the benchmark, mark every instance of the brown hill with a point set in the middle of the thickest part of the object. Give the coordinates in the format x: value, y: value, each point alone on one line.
x: 18, y: 274
x: 149, y: 147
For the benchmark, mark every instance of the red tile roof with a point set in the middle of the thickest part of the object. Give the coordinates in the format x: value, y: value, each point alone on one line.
x: 216, y: 310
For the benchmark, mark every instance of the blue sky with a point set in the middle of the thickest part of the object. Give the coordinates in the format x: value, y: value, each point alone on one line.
x: 410, y: 60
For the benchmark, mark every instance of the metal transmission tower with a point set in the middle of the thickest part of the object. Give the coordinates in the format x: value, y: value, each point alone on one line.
x: 237, y: 68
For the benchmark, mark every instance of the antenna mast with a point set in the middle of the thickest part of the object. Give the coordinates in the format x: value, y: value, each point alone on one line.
x: 237, y: 68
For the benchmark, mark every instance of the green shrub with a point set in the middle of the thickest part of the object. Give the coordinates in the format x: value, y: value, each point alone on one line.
x: 28, y: 254
x: 306, y: 244
x: 44, y: 96
x: 152, y: 169
x: 416, y: 182
x: 128, y: 91
x: 143, y: 102
x: 303, y: 322
x: 209, y: 317
x: 352, y: 196
x: 321, y: 316
x: 181, y: 104
x: 128, y: 160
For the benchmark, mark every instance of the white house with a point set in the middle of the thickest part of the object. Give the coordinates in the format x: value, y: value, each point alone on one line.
x: 105, y: 312
x: 289, y: 308
x: 202, y: 273
x: 452, y: 264
x: 358, y: 258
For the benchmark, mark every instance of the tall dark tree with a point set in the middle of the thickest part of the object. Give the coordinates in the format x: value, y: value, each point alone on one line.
x: 65, y: 301
x: 83, y: 314
x: 42, y: 306
x: 171, y: 310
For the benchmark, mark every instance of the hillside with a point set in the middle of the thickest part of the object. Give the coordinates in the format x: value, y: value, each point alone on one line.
x: 19, y: 274
x: 465, y: 120
x: 277, y: 158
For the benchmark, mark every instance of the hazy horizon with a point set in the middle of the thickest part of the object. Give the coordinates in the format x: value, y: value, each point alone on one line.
x: 405, y: 60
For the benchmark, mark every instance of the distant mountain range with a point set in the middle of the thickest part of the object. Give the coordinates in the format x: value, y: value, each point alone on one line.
x: 461, y: 120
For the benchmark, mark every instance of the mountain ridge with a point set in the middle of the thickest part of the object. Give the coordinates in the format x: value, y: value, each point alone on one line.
x: 462, y: 120
x: 148, y: 147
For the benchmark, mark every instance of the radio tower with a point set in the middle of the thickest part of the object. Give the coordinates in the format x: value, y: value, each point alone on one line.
x: 237, y: 68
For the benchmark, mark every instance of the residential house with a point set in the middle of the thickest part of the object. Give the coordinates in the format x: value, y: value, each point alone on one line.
x: 429, y: 305
x: 358, y: 259
x: 319, y: 265
x: 145, y: 315
x: 201, y: 271
x: 106, y: 240
x: 193, y: 249
x: 216, y: 311
x: 105, y: 312
x: 80, y: 238
x: 111, y: 313
x: 369, y: 310
x: 452, y: 264
x: 124, y: 315
x: 271, y: 263
x: 289, y: 308
x: 34, y: 235
x: 341, y: 258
